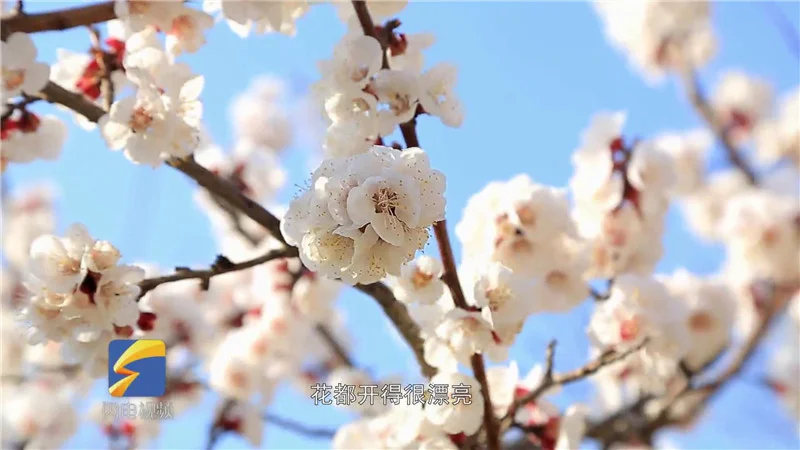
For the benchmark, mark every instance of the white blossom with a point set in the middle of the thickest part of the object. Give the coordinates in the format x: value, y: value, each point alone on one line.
x: 641, y: 308
x: 621, y: 197
x: 506, y: 296
x: 519, y: 223
x: 27, y: 137
x: 185, y: 34
x: 741, y: 102
x: 366, y: 215
x: 140, y: 14
x: 460, y: 335
x: 437, y: 95
x: 39, y: 415
x: 419, y: 281
x: 760, y: 233
x: 711, y: 315
x: 660, y: 35
x: 244, y: 16
x: 21, y: 72
x: 466, y: 416
x: 79, y: 294
x: 27, y: 214
x: 779, y: 137
x: 688, y: 151
x: 150, y: 125
x: 259, y: 116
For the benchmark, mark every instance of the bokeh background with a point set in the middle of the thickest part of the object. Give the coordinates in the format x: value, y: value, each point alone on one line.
x: 531, y: 75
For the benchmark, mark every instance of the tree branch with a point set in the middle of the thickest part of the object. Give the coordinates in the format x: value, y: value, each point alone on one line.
x: 550, y: 380
x: 703, y: 108
x: 450, y: 275
x: 635, y: 421
x: 226, y: 191
x: 221, y: 266
x: 58, y: 20
x: 334, y: 345
x: 299, y: 427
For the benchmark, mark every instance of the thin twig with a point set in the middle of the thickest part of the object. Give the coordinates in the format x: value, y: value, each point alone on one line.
x: 334, y: 344
x: 551, y: 380
x: 630, y: 421
x: 450, y: 274
x: 20, y: 105
x: 785, y: 27
x: 218, y: 268
x: 299, y: 427
x: 215, y: 431
x: 703, y: 108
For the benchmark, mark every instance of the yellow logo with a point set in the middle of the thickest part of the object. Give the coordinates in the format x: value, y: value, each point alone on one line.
x: 146, y: 377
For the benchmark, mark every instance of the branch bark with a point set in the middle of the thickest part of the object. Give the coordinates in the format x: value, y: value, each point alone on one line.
x: 299, y: 427
x: 703, y: 108
x: 450, y: 275
x: 215, y: 269
x: 58, y: 20
x: 551, y: 380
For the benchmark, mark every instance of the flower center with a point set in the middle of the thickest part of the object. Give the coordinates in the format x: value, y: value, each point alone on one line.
x: 498, y: 297
x: 526, y: 215
x: 140, y: 120
x: 399, y: 103
x: 556, y: 278
x: 138, y: 6
x: 629, y: 329
x: 385, y: 201
x: 13, y: 78
x: 359, y: 73
x: 701, y: 321
x: 421, y: 279
x: 69, y: 266
x: 182, y: 26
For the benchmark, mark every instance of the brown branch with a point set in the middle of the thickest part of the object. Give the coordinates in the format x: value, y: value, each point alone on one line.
x: 105, y: 64
x: 58, y: 20
x: 450, y: 275
x: 703, y: 108
x: 334, y: 345
x: 402, y: 321
x: 633, y: 422
x: 551, y: 380
x: 299, y: 427
x: 221, y: 266
x: 226, y: 191
x: 216, y: 430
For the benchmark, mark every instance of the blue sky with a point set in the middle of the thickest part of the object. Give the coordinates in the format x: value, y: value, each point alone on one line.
x: 531, y: 75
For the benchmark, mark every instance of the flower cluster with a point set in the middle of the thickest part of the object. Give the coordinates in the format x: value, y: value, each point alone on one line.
x: 364, y: 101
x: 621, y: 196
x: 660, y: 35
x: 25, y: 136
x: 366, y: 215
x: 162, y: 118
x: 638, y: 309
x: 244, y: 16
x: 84, y: 72
x: 527, y: 228
x: 80, y: 295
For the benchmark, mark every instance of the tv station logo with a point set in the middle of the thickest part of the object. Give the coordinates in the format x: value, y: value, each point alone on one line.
x: 139, y: 368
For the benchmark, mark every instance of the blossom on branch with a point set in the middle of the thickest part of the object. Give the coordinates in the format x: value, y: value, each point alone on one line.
x: 366, y: 215
x: 21, y: 72
x: 80, y: 295
x: 660, y: 35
